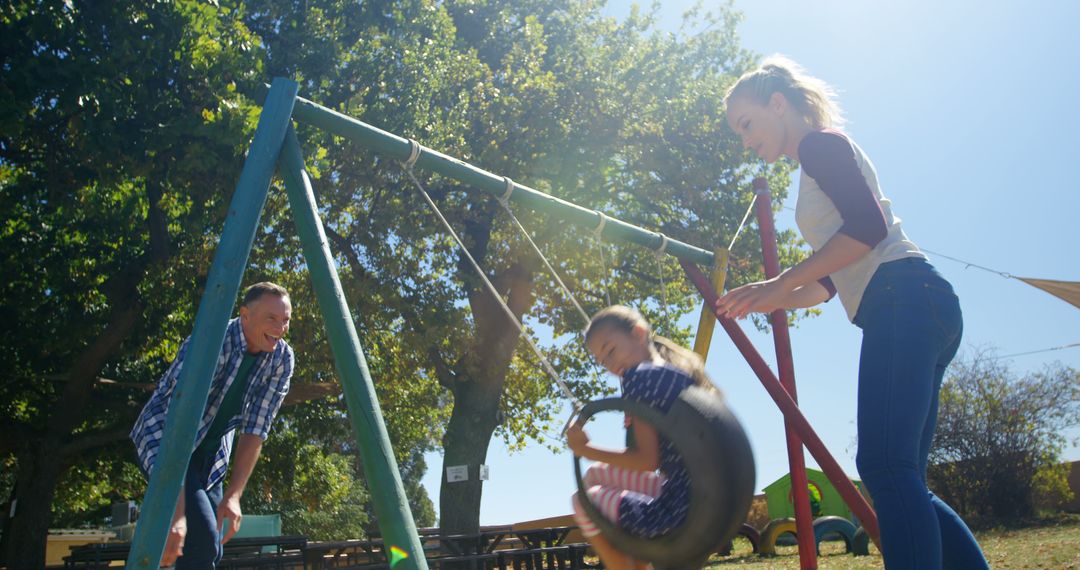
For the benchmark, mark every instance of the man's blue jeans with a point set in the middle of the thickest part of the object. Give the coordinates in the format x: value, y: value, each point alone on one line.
x: 911, y: 325
x: 202, y: 545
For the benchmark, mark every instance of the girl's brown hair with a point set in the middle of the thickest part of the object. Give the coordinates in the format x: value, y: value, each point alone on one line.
x: 811, y: 97
x: 624, y: 319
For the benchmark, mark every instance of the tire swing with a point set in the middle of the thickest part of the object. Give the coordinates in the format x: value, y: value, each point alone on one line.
x: 718, y: 458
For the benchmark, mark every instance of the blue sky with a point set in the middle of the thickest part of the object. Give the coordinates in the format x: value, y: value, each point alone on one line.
x: 969, y: 112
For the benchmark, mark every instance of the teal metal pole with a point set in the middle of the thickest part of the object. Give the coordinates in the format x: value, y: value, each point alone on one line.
x: 222, y: 285
x: 398, y: 148
x: 380, y: 468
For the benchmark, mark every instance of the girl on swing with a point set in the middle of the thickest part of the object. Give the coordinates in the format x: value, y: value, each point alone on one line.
x: 908, y: 313
x: 645, y: 488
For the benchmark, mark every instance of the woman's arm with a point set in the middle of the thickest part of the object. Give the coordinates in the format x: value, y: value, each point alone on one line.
x: 829, y: 158
x: 644, y: 456
x: 809, y: 295
x: 783, y: 292
x: 839, y: 252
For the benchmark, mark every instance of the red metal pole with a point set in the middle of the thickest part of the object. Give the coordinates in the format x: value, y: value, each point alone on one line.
x: 804, y: 517
x: 792, y: 414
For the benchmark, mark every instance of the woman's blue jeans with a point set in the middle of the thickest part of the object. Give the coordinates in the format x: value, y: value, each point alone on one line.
x: 202, y: 545
x: 911, y: 325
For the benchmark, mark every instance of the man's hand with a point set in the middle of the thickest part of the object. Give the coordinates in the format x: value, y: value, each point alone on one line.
x: 229, y: 509
x: 174, y: 545
x: 247, y: 453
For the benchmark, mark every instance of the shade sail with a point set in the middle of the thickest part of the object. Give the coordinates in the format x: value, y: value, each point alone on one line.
x: 1068, y: 291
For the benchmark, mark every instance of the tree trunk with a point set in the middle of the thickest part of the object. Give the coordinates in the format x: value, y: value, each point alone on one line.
x: 5, y: 529
x: 468, y: 434
x: 41, y: 459
x: 40, y: 467
x: 478, y: 388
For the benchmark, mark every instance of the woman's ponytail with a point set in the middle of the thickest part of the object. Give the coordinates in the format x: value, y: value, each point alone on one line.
x: 811, y: 97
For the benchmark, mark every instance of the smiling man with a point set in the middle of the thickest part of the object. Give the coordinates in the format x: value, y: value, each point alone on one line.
x: 249, y: 384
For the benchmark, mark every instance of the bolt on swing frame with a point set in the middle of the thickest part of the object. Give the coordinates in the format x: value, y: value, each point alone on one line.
x: 275, y: 143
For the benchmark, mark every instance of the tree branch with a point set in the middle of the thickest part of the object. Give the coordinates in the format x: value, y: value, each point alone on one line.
x: 82, y: 444
x: 444, y: 372
x: 158, y: 225
x: 83, y: 372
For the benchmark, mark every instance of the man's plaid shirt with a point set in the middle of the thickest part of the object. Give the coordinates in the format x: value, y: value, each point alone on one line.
x: 266, y: 389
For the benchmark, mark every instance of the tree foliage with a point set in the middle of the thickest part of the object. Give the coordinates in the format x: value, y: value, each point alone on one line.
x: 611, y: 115
x: 996, y: 455
x: 122, y: 130
x: 113, y: 191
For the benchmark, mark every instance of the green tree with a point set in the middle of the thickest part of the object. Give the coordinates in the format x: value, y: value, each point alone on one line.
x: 996, y: 455
x: 122, y: 131
x: 112, y: 194
x: 615, y: 116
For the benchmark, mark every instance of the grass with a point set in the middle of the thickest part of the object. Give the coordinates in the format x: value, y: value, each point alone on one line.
x: 1048, y: 544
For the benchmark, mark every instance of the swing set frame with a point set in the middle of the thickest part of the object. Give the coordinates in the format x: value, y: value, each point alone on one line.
x: 275, y: 146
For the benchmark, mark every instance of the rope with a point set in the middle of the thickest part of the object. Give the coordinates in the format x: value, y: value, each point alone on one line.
x: 742, y: 224
x: 558, y: 279
x: 663, y: 246
x: 597, y: 233
x: 969, y: 264
x: 487, y: 282
x: 555, y: 274
x: 509, y: 190
x: 414, y: 154
x: 1051, y: 349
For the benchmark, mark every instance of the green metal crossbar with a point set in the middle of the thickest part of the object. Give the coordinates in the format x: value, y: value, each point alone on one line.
x: 398, y: 148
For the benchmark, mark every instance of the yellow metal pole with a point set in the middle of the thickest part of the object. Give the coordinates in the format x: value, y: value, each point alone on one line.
x: 707, y: 321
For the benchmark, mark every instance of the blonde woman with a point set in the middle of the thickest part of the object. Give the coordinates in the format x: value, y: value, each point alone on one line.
x: 909, y: 314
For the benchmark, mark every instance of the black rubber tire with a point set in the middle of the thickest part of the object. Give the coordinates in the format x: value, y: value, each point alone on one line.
x: 824, y: 526
x: 860, y: 543
x: 718, y: 457
x: 750, y: 533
